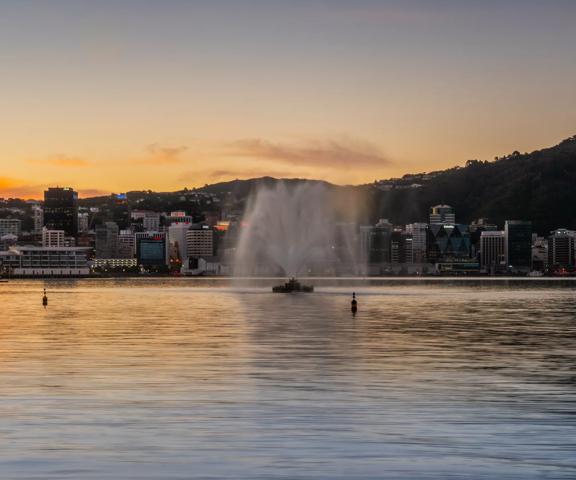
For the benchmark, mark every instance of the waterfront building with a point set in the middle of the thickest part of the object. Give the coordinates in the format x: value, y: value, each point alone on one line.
x: 61, y: 210
x: 442, y: 215
x: 10, y: 226
x: 539, y: 253
x: 30, y: 261
x: 38, y: 217
x: 199, y: 241
x: 562, y: 248
x: 107, y: 240
x: 518, y: 245
x: 126, y: 244
x: 204, y: 266
x: 418, y: 233
x: 178, y: 240
x: 375, y: 242
x: 401, y: 247
x: 447, y: 242
x: 476, y: 228
x: 151, y: 250
x: 113, y: 263
x: 492, y: 256
x: 53, y: 238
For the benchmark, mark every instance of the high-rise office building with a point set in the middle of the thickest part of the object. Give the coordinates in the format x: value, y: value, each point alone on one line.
x: 107, y: 240
x: 401, y: 247
x: 83, y: 222
x: 119, y: 210
x: 177, y: 239
x: 199, y: 241
x: 38, y: 217
x: 61, y: 210
x: 518, y: 245
x: 492, y: 256
x: 442, y: 215
x: 418, y: 232
x: 562, y: 248
x: 375, y: 242
x: 126, y: 244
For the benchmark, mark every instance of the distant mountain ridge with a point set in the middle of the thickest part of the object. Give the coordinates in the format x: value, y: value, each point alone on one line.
x: 538, y: 186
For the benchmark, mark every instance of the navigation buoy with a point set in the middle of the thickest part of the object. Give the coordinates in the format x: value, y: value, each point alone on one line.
x: 354, y: 303
x: 45, y: 299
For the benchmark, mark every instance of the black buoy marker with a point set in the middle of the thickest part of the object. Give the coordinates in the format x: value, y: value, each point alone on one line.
x: 45, y: 299
x: 354, y: 303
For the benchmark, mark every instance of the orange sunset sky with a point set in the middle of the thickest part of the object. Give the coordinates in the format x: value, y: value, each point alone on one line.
x: 111, y: 96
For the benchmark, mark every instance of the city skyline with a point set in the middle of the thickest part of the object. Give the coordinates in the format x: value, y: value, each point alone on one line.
x: 264, y: 237
x: 132, y: 95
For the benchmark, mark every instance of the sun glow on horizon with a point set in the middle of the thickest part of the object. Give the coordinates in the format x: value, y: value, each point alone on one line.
x: 184, y: 94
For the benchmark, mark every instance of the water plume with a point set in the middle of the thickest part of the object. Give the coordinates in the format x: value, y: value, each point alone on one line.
x: 288, y: 231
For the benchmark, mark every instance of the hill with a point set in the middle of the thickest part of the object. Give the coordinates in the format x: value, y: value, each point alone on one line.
x: 538, y: 186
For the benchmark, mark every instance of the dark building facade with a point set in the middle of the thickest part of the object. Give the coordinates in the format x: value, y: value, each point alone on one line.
x: 107, y: 240
x: 562, y: 248
x: 61, y: 210
x: 119, y: 210
x: 151, y: 251
x: 376, y: 242
x: 400, y: 247
x: 518, y: 245
x: 447, y: 242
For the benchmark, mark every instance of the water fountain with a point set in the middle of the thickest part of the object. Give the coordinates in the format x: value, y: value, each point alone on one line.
x: 288, y: 231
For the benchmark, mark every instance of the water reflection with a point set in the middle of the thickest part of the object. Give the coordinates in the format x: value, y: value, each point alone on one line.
x: 212, y: 379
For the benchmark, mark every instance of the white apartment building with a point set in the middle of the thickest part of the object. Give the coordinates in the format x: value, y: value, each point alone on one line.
x: 31, y: 261
x: 53, y: 238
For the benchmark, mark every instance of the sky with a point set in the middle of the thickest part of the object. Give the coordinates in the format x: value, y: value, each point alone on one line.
x: 118, y: 95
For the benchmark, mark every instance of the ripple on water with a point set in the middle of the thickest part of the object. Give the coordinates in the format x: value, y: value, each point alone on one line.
x: 180, y: 378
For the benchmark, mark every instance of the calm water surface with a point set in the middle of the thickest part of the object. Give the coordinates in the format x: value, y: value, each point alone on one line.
x: 182, y: 379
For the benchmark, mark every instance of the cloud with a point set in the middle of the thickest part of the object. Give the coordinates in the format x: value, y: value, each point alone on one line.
x: 13, y: 188
x: 61, y: 160
x: 331, y: 153
x: 159, y: 155
x: 92, y: 192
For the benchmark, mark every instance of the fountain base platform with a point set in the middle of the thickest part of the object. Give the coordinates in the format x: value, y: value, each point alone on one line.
x: 293, y: 285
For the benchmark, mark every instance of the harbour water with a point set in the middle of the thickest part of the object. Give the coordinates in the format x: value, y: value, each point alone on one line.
x: 209, y: 379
